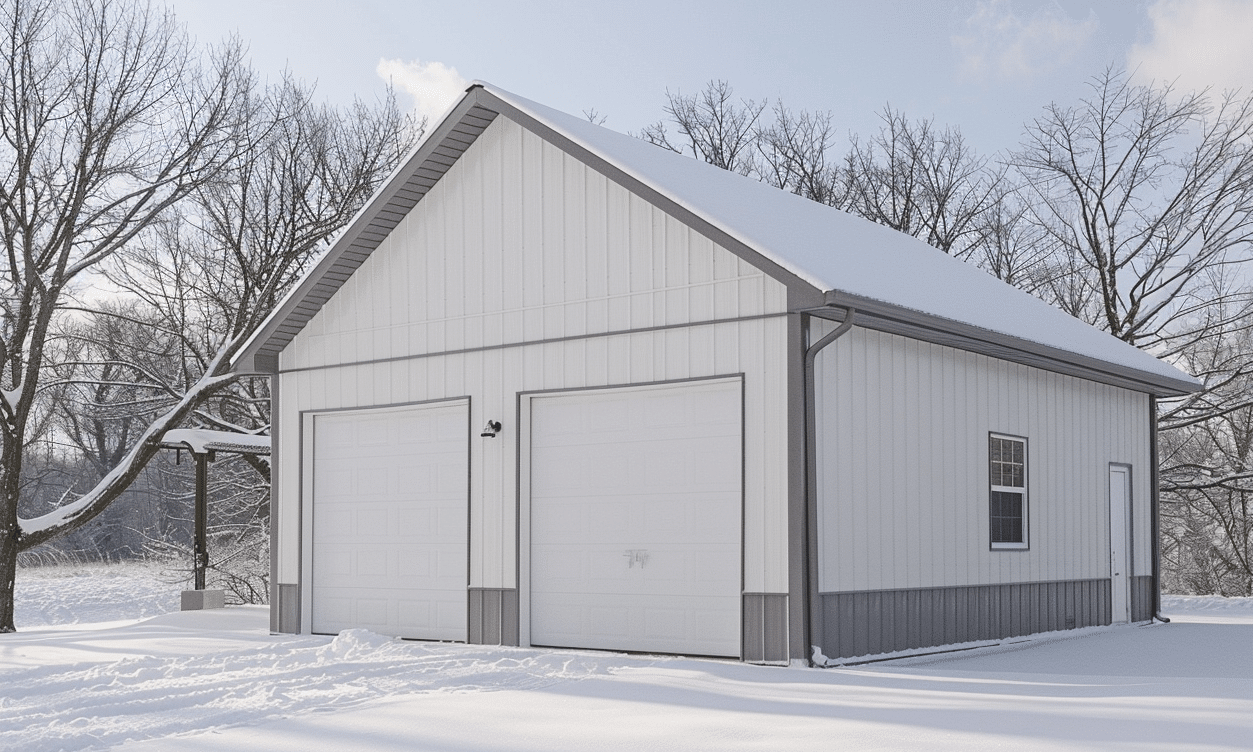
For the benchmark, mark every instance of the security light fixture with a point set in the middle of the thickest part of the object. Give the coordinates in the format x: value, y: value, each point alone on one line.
x: 491, y: 429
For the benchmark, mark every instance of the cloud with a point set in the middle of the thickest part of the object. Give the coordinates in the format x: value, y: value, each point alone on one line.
x: 999, y: 43
x: 433, y: 86
x: 1197, y: 43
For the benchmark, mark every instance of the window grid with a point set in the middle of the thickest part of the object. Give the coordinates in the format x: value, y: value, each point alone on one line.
x: 1007, y: 508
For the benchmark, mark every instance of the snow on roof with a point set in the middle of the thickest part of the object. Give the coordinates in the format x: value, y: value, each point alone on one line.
x: 201, y: 440
x: 836, y: 251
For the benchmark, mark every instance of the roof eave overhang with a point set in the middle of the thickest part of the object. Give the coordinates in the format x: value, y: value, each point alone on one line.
x: 433, y: 157
x: 893, y: 319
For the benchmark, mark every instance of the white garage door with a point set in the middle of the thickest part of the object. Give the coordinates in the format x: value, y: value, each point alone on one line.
x: 635, y: 519
x: 389, y: 521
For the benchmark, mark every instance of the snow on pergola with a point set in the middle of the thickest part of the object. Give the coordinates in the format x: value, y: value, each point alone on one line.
x: 204, y: 440
x: 203, y: 443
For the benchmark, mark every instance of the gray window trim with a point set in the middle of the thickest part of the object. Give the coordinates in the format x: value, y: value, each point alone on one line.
x: 1025, y: 544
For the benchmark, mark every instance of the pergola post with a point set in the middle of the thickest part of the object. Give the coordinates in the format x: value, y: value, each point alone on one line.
x: 201, y: 545
x: 204, y: 444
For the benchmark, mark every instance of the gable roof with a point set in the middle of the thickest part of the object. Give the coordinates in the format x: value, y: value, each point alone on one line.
x: 824, y: 256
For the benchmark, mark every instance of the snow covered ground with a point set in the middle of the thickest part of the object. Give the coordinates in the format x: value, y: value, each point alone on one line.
x: 216, y: 680
x: 89, y: 593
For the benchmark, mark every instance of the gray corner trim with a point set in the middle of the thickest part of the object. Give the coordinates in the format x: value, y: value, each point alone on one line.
x: 537, y: 342
x: 796, y: 286
x: 288, y: 609
x: 764, y: 634
x: 304, y: 519
x: 493, y: 616
x: 869, y: 622
x: 523, y: 437
x: 398, y: 195
x: 275, y: 446
x: 469, y: 499
x: 802, y: 563
x: 926, y: 327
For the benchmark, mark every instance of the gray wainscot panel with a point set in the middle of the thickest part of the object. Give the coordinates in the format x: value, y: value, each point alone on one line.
x: 493, y: 616
x: 883, y: 621
x: 287, y: 609
x: 765, y: 632
x: 1142, y: 600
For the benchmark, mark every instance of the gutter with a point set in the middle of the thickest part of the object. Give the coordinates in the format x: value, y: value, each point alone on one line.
x: 812, y: 608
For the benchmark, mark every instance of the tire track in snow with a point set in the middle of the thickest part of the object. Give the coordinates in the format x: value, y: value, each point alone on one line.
x: 90, y: 706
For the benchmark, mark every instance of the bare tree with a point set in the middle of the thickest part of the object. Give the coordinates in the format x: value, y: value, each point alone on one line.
x: 199, y: 196
x: 712, y: 127
x: 1009, y: 249
x: 209, y: 275
x: 922, y: 182
x: 795, y: 154
x: 1149, y: 192
x: 107, y: 119
x: 1144, y: 198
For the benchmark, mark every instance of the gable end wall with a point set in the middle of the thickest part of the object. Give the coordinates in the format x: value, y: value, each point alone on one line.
x: 524, y: 269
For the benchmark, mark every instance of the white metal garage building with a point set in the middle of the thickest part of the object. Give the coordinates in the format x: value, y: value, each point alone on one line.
x: 555, y: 386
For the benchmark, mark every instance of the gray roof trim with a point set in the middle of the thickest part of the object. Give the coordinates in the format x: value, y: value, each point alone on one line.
x: 399, y: 194
x: 885, y: 317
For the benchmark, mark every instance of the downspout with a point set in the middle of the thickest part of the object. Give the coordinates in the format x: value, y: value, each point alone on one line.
x: 1155, y: 525
x: 812, y: 607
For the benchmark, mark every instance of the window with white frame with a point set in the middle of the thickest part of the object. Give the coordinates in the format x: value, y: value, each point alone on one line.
x: 1007, y: 465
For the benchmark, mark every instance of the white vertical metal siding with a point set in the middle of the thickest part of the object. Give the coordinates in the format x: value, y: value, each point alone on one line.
x: 520, y: 242
x: 902, y: 436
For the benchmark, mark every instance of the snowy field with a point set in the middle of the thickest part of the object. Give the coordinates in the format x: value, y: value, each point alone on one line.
x: 216, y: 680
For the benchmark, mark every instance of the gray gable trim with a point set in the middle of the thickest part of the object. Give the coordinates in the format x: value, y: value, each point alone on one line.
x: 434, y: 157
x: 885, y: 317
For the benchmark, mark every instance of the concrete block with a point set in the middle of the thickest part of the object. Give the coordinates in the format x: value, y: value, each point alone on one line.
x: 195, y: 600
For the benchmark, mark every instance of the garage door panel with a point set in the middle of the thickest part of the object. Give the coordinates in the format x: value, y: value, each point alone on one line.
x: 636, y: 519
x: 671, y: 624
x: 389, y: 521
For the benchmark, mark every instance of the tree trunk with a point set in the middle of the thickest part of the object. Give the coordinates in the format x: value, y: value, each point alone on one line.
x: 9, y: 534
x: 8, y: 574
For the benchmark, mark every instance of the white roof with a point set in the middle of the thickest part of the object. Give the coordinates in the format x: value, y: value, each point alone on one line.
x: 836, y: 251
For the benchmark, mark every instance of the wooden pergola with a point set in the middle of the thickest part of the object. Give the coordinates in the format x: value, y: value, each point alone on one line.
x: 203, y: 444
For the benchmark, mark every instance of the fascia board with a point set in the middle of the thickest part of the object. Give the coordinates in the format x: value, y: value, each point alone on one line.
x: 885, y: 317
x: 390, y: 203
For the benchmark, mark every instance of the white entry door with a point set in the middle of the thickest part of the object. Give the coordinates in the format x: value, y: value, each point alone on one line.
x: 1119, y: 541
x: 635, y: 501
x: 390, y: 501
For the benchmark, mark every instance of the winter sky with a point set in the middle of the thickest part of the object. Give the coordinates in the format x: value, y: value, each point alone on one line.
x: 986, y: 66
